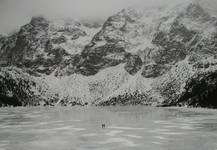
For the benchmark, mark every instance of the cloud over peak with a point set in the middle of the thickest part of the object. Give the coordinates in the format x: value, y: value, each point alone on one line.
x: 14, y: 13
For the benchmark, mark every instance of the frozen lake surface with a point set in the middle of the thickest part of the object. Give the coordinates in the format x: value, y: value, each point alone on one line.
x: 127, y: 128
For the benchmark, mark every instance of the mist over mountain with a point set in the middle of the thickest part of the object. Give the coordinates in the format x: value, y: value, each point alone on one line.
x: 14, y: 14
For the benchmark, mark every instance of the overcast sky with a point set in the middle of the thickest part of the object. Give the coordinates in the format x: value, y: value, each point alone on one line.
x: 14, y: 13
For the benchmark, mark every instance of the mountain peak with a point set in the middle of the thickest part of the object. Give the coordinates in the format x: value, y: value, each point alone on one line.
x: 39, y: 21
x: 195, y: 10
x: 188, y: 8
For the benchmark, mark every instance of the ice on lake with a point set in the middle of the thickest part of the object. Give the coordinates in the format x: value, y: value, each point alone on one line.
x: 126, y: 128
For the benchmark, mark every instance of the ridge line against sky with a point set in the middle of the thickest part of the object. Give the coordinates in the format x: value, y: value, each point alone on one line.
x: 15, y: 13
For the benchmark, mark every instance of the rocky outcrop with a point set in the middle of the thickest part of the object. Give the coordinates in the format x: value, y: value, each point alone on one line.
x: 30, y: 39
x: 154, y: 70
x: 95, y: 59
x: 133, y: 64
x: 172, y: 46
x: 6, y: 44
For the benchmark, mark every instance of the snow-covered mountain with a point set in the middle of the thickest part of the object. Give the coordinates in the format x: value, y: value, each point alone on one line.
x: 159, y: 56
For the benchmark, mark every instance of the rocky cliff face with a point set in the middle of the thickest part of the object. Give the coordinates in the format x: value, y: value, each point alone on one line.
x: 42, y: 46
x: 150, y: 57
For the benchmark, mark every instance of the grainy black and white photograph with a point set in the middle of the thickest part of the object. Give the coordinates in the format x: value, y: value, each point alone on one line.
x: 108, y: 75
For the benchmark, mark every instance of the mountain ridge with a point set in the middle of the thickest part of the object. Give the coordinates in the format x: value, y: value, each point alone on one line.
x: 134, y: 58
